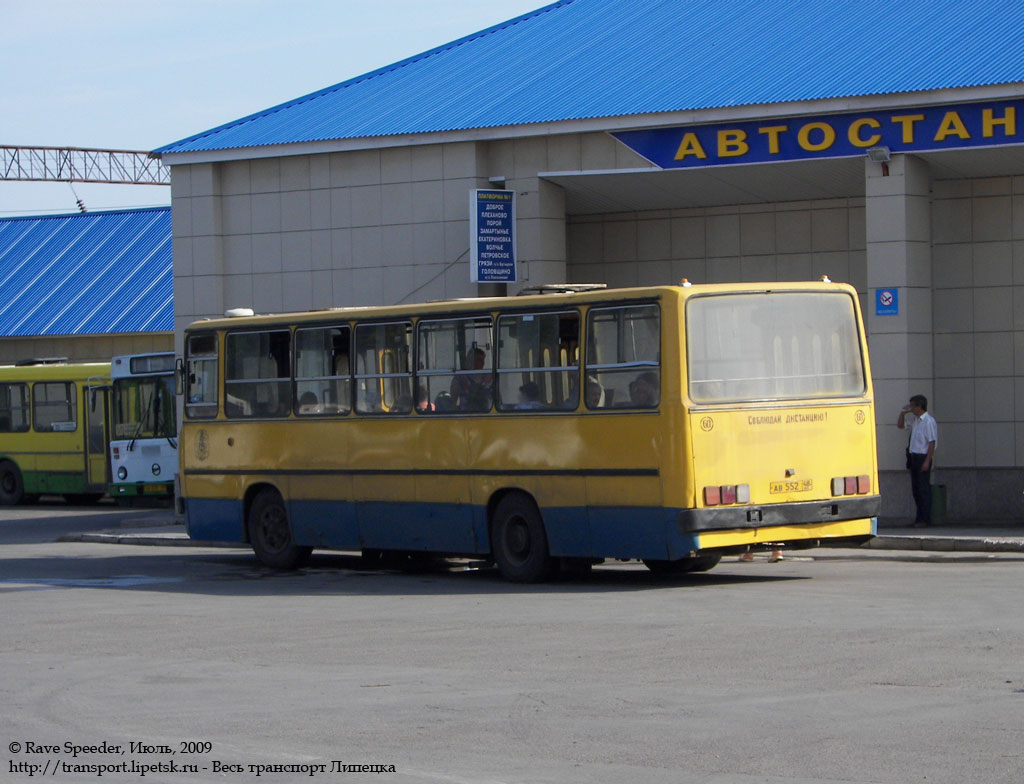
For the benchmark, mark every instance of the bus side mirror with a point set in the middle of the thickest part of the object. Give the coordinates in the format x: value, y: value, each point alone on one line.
x: 179, y: 376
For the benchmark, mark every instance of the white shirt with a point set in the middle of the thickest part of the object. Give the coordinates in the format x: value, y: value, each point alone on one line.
x: 922, y: 432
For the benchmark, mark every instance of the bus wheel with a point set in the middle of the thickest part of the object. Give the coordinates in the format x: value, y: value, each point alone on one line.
x: 12, y: 488
x: 518, y: 541
x: 271, y: 534
x: 700, y: 563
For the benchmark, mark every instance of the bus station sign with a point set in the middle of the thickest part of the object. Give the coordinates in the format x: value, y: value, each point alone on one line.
x: 492, y: 240
x: 903, y: 130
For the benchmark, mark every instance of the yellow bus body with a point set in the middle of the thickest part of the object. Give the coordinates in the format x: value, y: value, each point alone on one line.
x: 607, y: 483
x: 66, y: 456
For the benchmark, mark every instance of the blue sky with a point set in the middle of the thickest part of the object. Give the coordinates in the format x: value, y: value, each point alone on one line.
x: 138, y: 74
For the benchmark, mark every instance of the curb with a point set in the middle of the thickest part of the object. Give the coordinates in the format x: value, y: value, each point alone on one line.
x: 979, y: 544
x: 153, y: 540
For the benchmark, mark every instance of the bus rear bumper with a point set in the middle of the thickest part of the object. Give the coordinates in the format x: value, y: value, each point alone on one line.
x: 138, y: 489
x: 751, y: 517
x: 847, y: 533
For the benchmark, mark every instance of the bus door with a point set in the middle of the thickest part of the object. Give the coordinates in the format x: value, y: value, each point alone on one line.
x: 97, y: 436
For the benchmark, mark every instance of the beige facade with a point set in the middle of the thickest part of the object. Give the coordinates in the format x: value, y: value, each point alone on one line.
x: 87, y: 348
x: 390, y: 224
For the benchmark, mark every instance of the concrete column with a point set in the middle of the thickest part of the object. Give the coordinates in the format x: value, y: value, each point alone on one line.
x: 898, y: 228
x: 197, y: 237
x: 540, y: 232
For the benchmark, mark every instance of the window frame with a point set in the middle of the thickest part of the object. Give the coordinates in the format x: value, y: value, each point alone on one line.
x: 572, y: 371
x: 202, y: 409
x: 643, y: 367
x: 456, y: 372
x: 853, y: 324
x: 409, y: 324
x: 25, y: 408
x: 346, y: 407
x: 70, y: 402
x: 283, y: 408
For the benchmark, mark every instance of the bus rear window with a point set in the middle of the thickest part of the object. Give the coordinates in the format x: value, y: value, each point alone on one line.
x: 773, y: 346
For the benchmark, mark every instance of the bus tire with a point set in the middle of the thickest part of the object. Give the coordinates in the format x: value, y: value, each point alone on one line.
x: 12, y: 486
x: 518, y: 541
x: 698, y: 563
x: 271, y: 534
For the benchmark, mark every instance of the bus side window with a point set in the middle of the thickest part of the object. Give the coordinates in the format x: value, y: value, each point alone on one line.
x: 14, y: 408
x: 201, y: 376
x: 384, y: 368
x: 623, y: 353
x: 455, y: 365
x: 322, y: 381
x: 538, y: 364
x: 54, y: 407
x: 257, y: 373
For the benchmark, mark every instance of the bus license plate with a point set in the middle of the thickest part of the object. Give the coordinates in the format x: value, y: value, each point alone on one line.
x: 791, y: 487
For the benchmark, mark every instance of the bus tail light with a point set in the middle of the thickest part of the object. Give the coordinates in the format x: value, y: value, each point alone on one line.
x: 715, y: 495
x: 117, y: 453
x: 851, y: 485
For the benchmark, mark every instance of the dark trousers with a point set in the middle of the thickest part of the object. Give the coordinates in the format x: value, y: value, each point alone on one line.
x: 921, y: 486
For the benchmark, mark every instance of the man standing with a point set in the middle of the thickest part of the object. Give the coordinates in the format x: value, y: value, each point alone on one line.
x: 924, y: 435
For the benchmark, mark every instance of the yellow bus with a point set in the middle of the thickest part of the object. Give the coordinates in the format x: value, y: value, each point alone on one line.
x: 53, y: 430
x: 669, y: 424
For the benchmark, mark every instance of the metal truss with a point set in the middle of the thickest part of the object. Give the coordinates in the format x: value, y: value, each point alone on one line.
x: 71, y: 164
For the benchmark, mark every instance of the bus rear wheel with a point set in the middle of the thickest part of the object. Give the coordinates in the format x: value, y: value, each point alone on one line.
x: 12, y: 487
x: 699, y: 563
x: 271, y: 534
x: 518, y: 541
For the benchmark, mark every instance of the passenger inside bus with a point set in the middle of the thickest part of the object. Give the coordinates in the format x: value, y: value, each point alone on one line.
x: 444, y: 402
x: 308, y: 403
x: 472, y: 392
x: 643, y: 392
x: 423, y: 404
x: 529, y: 396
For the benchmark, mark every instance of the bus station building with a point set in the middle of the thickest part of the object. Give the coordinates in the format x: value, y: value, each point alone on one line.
x: 880, y: 144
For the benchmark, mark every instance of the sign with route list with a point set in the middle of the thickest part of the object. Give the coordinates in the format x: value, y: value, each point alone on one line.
x: 492, y: 236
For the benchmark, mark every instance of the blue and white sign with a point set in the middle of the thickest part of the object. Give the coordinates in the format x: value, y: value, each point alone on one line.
x: 887, y: 302
x: 945, y: 127
x: 492, y: 236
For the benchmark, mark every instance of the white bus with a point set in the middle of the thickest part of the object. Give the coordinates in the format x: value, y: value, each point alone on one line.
x: 144, y: 434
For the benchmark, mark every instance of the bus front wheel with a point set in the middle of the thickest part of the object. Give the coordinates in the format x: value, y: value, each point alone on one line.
x: 12, y: 487
x: 518, y: 541
x: 271, y: 534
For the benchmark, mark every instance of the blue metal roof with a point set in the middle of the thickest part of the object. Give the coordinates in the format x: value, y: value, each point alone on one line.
x: 581, y: 59
x: 92, y: 273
